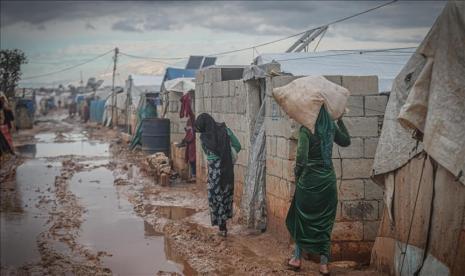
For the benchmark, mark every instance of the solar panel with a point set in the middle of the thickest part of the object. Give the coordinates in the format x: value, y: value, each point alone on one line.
x: 208, y: 61
x: 194, y: 62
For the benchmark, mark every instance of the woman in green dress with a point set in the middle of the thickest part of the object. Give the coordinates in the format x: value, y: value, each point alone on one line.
x: 310, y: 218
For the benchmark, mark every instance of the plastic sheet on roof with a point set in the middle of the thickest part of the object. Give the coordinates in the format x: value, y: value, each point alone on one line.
x: 349, y: 63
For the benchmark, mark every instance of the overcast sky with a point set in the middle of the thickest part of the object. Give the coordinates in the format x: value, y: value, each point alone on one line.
x: 56, y: 35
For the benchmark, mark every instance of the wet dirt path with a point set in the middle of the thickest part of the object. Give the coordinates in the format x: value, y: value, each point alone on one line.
x: 64, y: 215
x: 80, y: 203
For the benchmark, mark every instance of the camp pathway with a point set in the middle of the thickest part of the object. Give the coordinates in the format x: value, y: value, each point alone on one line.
x: 67, y: 216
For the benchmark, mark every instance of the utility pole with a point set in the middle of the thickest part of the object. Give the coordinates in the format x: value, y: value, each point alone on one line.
x: 82, y: 82
x: 113, y: 92
x: 128, y: 104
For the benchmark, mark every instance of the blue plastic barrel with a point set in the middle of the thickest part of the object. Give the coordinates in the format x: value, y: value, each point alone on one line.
x: 156, y: 135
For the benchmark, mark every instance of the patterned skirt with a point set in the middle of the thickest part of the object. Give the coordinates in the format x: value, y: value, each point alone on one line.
x: 220, y: 200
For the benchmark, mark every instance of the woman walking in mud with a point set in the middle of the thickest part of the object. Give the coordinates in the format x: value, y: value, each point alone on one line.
x: 310, y: 218
x: 219, y: 144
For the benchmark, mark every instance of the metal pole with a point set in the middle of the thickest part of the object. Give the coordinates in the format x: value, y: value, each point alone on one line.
x: 113, y: 94
x: 128, y: 104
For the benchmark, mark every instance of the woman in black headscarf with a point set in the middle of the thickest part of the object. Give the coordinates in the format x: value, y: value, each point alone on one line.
x: 217, y: 140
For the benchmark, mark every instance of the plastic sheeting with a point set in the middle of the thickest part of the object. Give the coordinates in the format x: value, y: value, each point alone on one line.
x: 97, y: 108
x: 429, y: 97
x: 254, y: 191
x: 386, y: 65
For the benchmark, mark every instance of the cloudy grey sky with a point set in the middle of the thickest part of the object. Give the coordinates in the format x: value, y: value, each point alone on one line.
x: 59, y: 34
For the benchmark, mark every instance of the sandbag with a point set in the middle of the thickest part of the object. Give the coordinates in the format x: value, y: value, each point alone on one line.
x: 302, y: 99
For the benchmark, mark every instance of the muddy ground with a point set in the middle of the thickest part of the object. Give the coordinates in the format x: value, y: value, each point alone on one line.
x: 76, y: 201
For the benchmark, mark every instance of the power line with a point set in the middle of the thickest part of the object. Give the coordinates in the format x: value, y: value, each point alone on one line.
x: 153, y: 58
x: 279, y: 39
x: 66, y: 69
x: 346, y: 53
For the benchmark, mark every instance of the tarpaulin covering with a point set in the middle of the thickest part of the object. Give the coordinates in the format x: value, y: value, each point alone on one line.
x: 254, y: 191
x: 97, y: 108
x: 147, y: 109
x: 181, y: 85
x: 428, y: 96
x: 386, y: 65
x: 174, y: 73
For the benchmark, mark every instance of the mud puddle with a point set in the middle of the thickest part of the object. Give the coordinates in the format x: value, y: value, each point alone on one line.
x: 112, y: 226
x: 25, y: 218
x: 170, y: 212
x: 81, y: 148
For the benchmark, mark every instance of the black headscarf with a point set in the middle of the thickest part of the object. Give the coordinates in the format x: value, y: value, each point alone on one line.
x: 215, y: 138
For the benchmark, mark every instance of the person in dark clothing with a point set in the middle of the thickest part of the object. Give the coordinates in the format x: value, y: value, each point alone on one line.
x: 217, y: 140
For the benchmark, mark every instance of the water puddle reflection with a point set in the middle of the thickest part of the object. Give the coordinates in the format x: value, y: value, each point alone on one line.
x: 170, y: 212
x: 82, y: 148
x: 111, y: 225
x: 24, y: 221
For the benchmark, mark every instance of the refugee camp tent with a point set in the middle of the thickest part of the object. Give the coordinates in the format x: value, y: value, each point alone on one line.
x: 172, y: 73
x: 180, y: 85
x: 420, y: 157
x: 385, y: 64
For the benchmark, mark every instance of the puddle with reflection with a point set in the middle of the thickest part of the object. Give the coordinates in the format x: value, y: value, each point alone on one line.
x: 45, y: 137
x: 111, y: 225
x: 21, y: 225
x: 82, y: 148
x: 170, y: 212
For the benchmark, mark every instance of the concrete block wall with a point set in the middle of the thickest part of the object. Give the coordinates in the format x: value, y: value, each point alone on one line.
x: 360, y: 199
x: 176, y: 124
x: 234, y: 102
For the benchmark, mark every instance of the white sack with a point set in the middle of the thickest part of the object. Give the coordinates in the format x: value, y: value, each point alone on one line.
x: 302, y: 98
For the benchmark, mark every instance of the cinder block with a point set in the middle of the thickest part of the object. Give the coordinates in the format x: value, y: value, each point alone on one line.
x: 370, y: 230
x: 198, y: 91
x: 271, y: 146
x: 274, y: 166
x: 347, y: 231
x: 278, y: 187
x: 278, y: 207
x: 375, y: 105
x: 243, y: 157
x: 361, y: 85
x: 373, y: 190
x: 288, y: 170
x: 241, y: 105
x: 370, y: 145
x: 207, y: 90
x: 221, y: 89
x: 351, y: 190
x: 337, y: 167
x: 335, y: 79
x: 355, y: 106
x: 199, y: 77
x: 279, y: 127
x: 208, y: 105
x: 358, y: 210
x: 355, y: 150
x: 356, y: 168
x: 362, y: 126
x: 283, y: 148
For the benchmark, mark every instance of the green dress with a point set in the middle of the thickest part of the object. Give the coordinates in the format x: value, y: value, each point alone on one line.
x: 310, y: 218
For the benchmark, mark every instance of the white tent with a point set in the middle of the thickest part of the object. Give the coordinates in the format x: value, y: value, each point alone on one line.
x: 385, y: 64
x: 181, y: 85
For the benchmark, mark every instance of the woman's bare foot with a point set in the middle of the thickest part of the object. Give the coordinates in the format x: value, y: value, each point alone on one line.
x: 294, y: 263
x: 324, y: 269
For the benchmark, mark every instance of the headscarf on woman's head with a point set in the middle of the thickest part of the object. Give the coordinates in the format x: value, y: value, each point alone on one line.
x: 215, y: 138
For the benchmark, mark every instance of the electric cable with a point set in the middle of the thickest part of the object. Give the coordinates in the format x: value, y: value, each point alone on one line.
x: 67, y: 68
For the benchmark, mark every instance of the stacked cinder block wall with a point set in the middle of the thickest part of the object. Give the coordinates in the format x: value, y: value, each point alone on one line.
x: 234, y: 102
x: 176, y: 124
x: 360, y: 199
